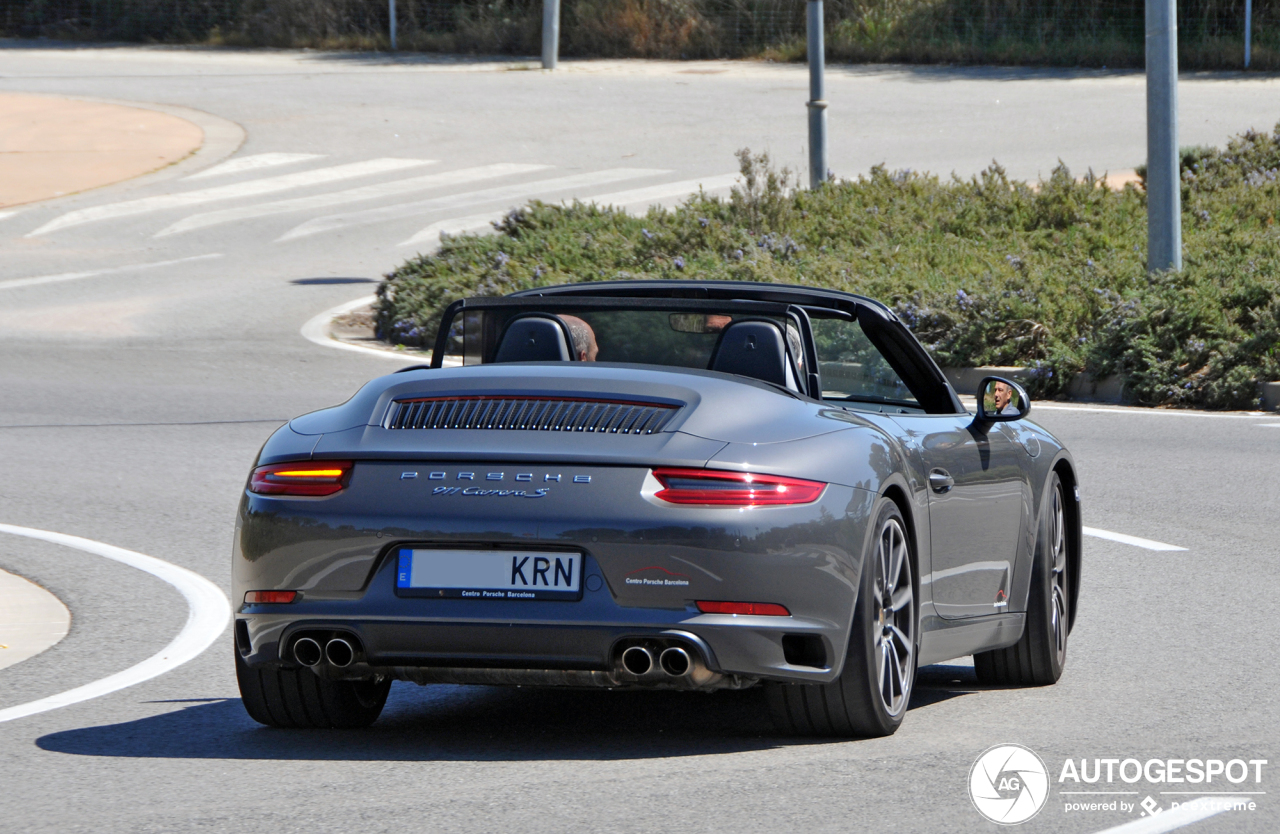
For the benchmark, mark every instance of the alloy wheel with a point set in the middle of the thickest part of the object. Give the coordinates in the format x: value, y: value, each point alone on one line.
x: 1058, y: 543
x: 894, y: 611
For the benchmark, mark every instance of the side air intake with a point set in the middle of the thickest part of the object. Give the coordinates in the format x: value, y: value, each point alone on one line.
x: 529, y: 414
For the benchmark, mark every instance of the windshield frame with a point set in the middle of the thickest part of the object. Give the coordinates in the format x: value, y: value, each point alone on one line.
x: 898, y: 346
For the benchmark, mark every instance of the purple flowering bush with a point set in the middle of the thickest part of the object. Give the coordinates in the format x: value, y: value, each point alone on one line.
x: 985, y: 270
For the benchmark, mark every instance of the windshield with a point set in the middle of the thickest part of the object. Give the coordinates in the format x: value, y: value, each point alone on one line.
x: 853, y: 369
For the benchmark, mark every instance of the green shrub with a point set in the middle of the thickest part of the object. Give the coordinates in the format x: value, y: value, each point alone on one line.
x: 1093, y: 33
x: 985, y: 271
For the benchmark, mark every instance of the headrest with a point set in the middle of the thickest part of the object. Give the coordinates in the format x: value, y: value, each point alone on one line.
x: 534, y: 339
x: 752, y: 348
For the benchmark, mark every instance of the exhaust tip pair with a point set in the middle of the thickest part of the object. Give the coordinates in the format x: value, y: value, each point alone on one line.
x: 308, y: 652
x: 674, y: 661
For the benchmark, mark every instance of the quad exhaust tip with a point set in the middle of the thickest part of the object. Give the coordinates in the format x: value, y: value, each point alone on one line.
x: 637, y: 660
x: 675, y: 661
x: 339, y: 652
x: 307, y: 652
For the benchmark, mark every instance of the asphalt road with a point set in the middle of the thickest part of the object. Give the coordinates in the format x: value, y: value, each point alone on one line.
x: 132, y: 403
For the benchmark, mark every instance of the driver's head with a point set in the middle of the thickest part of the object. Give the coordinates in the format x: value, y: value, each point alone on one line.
x: 584, y: 339
x: 1002, y: 394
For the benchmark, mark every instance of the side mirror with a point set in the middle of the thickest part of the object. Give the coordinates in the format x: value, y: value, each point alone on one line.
x: 1002, y: 401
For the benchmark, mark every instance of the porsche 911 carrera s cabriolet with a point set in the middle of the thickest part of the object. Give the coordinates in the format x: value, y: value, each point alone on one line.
x: 661, y: 484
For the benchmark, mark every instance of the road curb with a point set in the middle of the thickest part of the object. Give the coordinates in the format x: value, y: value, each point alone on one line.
x: 319, y: 330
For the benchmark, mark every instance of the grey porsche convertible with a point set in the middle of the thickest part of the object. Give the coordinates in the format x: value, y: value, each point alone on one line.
x: 657, y: 484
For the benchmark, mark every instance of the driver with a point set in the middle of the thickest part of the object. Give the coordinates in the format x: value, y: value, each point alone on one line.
x: 1003, y: 396
x: 584, y: 339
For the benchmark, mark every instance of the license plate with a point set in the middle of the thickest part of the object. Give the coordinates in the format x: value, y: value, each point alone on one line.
x: 489, y: 574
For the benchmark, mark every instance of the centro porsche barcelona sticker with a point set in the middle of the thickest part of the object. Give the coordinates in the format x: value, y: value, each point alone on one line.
x: 671, y: 578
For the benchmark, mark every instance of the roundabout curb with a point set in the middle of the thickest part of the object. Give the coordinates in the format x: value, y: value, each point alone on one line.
x: 32, y: 619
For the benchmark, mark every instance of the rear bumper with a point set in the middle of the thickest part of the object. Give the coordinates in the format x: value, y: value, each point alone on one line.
x: 645, y: 564
x: 585, y: 635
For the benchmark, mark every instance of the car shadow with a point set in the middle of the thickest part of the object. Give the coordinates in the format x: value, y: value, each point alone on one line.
x: 942, y: 682
x: 467, y: 723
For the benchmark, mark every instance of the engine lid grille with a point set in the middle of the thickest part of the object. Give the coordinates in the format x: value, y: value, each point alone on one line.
x: 529, y: 414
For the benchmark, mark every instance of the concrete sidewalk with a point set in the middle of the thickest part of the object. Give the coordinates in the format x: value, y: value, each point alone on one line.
x: 52, y: 146
x: 31, y: 619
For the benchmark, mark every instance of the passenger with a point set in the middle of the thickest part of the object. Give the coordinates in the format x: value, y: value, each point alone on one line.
x: 584, y: 339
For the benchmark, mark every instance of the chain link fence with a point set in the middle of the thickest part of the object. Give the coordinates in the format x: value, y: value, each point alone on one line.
x: 1090, y: 33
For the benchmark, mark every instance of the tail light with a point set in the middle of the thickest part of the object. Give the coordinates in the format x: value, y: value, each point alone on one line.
x: 323, y: 477
x: 269, y: 597
x: 734, y: 489
x: 765, y: 609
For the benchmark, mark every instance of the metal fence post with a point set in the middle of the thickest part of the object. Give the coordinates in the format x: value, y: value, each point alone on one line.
x: 1248, y: 30
x: 817, y: 97
x: 550, y: 33
x: 1164, y: 189
x: 392, y: 11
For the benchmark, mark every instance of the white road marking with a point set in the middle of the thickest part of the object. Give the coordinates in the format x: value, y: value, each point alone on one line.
x: 1146, y: 544
x: 10, y: 213
x: 249, y: 188
x: 656, y: 193
x: 1268, y: 425
x: 502, y: 192
x: 456, y: 226
x: 475, y: 222
x: 72, y: 276
x: 353, y: 195
x: 317, y: 330
x: 1171, y: 819
x: 207, y: 613
x: 1167, y: 412
x: 254, y: 163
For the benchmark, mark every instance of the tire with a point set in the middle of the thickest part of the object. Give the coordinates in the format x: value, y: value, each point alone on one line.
x: 870, y: 697
x: 1038, y: 658
x: 299, y: 698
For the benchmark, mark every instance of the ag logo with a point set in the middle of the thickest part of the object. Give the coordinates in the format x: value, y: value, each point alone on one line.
x: 1008, y: 784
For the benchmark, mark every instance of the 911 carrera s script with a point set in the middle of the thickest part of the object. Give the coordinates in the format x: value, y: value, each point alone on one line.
x: 489, y: 574
x: 541, y: 492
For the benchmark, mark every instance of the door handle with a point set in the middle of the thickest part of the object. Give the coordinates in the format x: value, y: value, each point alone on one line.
x: 940, y: 480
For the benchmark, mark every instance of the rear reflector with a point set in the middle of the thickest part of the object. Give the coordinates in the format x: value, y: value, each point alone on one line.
x: 734, y: 489
x: 323, y: 477
x: 259, y: 597
x: 759, y: 609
